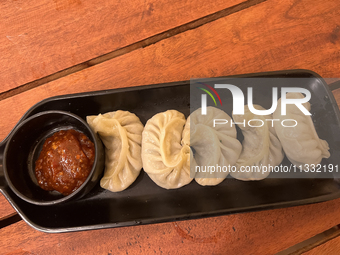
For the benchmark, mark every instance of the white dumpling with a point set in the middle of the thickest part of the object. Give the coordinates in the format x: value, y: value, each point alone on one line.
x: 121, y: 133
x: 301, y: 143
x: 166, y: 150
x: 213, y: 146
x: 261, y: 149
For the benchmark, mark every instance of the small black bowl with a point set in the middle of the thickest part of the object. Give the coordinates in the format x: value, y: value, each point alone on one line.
x: 23, y: 149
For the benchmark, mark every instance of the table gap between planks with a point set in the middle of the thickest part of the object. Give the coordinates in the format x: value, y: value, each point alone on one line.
x: 70, y: 55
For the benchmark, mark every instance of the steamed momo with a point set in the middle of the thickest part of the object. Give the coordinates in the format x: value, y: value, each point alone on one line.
x: 261, y: 147
x: 166, y: 151
x: 212, y: 146
x: 301, y: 143
x: 121, y: 133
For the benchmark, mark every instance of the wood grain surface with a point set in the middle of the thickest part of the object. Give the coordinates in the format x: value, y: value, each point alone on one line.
x: 42, y: 37
x: 5, y: 208
x: 332, y: 247
x: 273, y: 35
x: 227, y: 46
x: 265, y: 232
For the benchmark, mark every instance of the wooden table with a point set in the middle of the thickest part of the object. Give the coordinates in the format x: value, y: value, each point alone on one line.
x: 66, y: 46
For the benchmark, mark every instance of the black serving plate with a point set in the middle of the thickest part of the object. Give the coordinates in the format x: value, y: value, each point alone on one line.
x: 144, y: 202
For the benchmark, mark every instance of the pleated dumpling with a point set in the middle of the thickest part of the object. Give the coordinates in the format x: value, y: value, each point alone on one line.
x: 214, y: 146
x: 301, y: 143
x: 261, y: 149
x: 121, y: 133
x: 166, y: 150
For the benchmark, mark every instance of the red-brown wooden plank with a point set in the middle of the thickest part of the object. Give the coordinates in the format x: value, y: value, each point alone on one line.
x: 331, y: 247
x: 269, y: 36
x: 5, y: 208
x: 41, y: 37
x: 262, y: 233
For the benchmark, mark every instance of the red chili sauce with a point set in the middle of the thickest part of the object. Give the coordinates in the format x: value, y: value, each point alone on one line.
x: 65, y: 161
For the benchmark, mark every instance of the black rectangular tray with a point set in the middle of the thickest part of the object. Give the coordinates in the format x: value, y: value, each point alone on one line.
x: 144, y: 202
